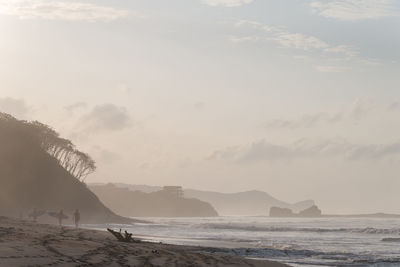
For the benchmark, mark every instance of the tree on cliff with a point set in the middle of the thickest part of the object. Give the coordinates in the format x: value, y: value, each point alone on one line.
x: 77, y: 163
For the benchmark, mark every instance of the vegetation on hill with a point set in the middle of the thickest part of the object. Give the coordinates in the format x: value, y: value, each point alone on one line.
x: 39, y: 169
x: 77, y: 163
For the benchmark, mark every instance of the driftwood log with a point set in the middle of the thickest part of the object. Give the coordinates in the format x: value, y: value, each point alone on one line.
x: 126, y: 237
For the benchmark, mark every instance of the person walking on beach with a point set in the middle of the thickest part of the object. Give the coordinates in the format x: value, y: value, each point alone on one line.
x: 60, y: 217
x: 77, y: 218
x: 34, y: 215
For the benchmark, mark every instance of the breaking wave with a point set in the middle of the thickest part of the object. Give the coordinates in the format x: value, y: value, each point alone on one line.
x: 366, y: 230
x: 312, y: 257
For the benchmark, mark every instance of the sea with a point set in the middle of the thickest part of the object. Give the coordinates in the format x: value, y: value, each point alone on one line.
x: 326, y: 241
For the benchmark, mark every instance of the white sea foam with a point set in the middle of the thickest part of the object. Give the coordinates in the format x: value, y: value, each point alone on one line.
x: 297, y: 241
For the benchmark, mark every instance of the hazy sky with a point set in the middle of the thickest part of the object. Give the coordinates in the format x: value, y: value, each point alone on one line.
x: 299, y: 98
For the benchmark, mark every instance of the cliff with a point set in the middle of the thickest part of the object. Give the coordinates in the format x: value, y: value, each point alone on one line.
x: 154, y: 204
x: 31, y: 178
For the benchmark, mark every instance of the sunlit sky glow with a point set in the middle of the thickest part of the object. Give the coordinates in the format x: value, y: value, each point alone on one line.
x: 299, y: 98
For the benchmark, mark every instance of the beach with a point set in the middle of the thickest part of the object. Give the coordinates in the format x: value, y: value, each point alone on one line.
x: 25, y: 243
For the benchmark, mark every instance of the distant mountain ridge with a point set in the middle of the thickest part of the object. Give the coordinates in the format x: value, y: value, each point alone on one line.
x: 242, y: 203
x: 160, y: 203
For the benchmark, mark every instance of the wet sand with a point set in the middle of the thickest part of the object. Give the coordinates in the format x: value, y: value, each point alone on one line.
x: 24, y: 243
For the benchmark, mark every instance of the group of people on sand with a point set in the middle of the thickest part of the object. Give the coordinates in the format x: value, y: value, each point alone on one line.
x: 76, y: 217
x: 60, y: 216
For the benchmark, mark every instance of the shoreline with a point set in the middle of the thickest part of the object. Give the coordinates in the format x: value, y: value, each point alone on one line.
x: 25, y: 243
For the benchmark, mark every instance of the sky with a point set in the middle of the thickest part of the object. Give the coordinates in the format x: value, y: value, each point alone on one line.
x: 298, y: 98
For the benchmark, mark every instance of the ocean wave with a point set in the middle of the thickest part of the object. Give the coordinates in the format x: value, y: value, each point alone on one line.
x: 391, y: 239
x: 304, y: 256
x: 253, y: 228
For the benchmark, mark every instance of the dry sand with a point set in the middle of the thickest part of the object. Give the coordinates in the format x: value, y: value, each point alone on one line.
x: 24, y: 243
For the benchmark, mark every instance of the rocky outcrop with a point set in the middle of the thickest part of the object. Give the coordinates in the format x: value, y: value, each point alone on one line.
x: 281, y: 212
x: 313, y: 211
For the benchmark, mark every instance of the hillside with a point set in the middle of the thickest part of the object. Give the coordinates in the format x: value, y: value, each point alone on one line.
x: 154, y: 204
x: 31, y: 178
x: 242, y: 203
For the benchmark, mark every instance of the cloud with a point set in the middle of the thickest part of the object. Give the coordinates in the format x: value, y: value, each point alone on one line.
x: 227, y: 3
x: 263, y: 151
x: 103, y: 155
x: 78, y: 105
x: 16, y: 107
x: 354, y: 10
x: 395, y: 106
x: 243, y: 39
x: 360, y: 109
x: 58, y: 10
x: 106, y: 117
x: 306, y: 121
x: 299, y: 41
x: 291, y: 40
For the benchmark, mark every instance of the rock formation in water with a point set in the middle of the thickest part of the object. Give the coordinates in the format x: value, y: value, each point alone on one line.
x: 312, y: 211
x: 281, y: 212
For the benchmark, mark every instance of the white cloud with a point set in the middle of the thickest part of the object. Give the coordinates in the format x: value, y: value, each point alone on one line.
x: 75, y: 106
x: 291, y: 40
x: 262, y: 150
x: 227, y: 3
x: 354, y: 10
x: 58, y: 10
x: 360, y: 109
x: 299, y: 41
x: 106, y: 117
x: 306, y: 121
x: 243, y: 39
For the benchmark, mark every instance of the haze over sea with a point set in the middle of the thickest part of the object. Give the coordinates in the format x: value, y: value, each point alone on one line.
x: 295, y: 241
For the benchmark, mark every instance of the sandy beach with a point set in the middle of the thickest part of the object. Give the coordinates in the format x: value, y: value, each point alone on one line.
x: 25, y: 243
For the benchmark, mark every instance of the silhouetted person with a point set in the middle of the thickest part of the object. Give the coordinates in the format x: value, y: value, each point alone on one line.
x: 77, y: 218
x: 34, y: 215
x: 60, y: 217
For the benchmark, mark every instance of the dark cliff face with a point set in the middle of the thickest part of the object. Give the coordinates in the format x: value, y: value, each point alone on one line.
x: 30, y: 178
x: 155, y: 204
